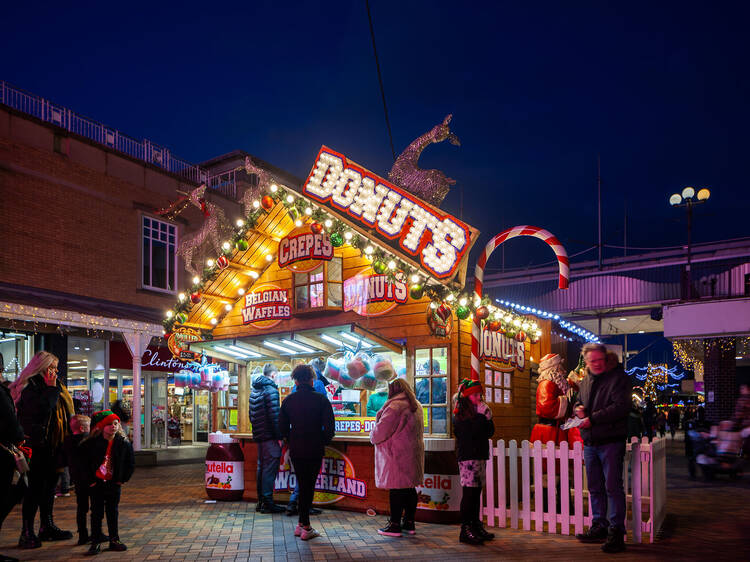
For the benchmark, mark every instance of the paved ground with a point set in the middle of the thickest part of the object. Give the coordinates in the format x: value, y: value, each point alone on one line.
x: 163, y: 517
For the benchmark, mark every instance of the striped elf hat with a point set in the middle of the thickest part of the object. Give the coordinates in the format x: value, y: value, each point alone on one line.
x: 466, y: 389
x: 102, y: 418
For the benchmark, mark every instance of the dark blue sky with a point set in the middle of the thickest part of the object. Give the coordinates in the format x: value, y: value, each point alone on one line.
x: 537, y: 90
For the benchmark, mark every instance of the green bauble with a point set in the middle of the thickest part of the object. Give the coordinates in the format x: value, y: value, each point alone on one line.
x: 511, y: 333
x: 241, y: 245
x: 463, y: 312
x: 379, y: 267
x: 336, y: 239
x: 417, y: 291
x: 181, y: 317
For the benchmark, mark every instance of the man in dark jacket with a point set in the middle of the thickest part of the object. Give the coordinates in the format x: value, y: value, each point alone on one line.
x: 11, y: 433
x: 264, y: 415
x: 604, y: 402
x: 306, y: 422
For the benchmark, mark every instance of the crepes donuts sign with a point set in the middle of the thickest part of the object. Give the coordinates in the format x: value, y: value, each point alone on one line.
x: 440, y: 240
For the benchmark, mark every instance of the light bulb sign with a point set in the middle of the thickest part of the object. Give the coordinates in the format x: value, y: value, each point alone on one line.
x: 440, y: 240
x: 266, y: 306
x: 506, y: 354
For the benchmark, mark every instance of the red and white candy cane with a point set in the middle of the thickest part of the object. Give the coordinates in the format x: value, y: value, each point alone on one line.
x: 546, y: 236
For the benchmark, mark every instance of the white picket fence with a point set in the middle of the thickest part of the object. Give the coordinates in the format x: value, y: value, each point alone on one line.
x: 514, y: 475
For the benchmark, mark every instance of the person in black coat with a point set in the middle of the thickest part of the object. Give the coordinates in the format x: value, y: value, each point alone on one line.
x: 604, y: 402
x: 11, y: 433
x: 306, y: 422
x: 264, y: 416
x: 473, y: 427
x: 44, y: 410
x: 109, y: 462
x: 76, y: 463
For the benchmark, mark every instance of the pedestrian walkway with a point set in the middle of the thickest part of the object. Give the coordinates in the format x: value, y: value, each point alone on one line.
x: 163, y: 517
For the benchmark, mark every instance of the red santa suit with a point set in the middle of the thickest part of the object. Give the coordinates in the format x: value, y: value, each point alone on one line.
x: 553, y: 397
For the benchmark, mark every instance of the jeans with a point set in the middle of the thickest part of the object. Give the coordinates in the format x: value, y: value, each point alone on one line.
x: 307, y: 473
x: 294, y: 498
x: 403, y: 500
x: 269, y: 454
x: 105, y: 497
x: 83, y: 501
x: 604, y: 473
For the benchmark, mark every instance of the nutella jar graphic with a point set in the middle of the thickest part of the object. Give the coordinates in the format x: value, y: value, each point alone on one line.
x: 225, y: 464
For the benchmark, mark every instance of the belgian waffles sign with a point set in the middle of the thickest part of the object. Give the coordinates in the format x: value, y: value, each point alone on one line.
x: 266, y: 306
x: 439, y: 240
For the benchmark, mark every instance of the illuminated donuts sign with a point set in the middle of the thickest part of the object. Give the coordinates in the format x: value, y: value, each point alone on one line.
x: 439, y: 240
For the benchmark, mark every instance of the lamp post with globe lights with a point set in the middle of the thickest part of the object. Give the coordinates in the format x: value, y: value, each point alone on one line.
x: 687, y: 199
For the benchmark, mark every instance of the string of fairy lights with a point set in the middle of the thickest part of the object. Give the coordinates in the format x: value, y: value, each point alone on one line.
x: 690, y: 352
x: 384, y: 262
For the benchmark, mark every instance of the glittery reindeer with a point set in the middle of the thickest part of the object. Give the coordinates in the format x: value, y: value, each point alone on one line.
x: 265, y: 179
x: 214, y: 224
x: 430, y: 185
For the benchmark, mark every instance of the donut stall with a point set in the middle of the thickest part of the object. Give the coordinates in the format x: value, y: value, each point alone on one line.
x: 367, y: 280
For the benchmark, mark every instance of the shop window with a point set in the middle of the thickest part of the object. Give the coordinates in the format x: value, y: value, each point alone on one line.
x: 159, y: 255
x: 498, y: 386
x: 321, y: 288
x: 431, y: 387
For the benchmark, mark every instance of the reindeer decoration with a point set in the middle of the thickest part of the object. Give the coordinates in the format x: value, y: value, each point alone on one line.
x: 264, y: 183
x: 214, y: 224
x: 431, y: 185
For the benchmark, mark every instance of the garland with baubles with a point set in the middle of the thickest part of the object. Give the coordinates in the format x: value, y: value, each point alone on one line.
x: 384, y: 262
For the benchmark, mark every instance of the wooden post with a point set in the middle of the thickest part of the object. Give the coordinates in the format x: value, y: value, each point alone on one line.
x: 243, y: 415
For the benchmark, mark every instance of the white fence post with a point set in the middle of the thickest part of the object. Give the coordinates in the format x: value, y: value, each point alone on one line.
x: 491, y: 482
x: 564, y: 490
x: 501, y: 482
x: 538, y: 488
x: 635, y: 478
x: 525, y: 486
x: 578, y: 486
x: 550, y: 451
x: 513, y: 483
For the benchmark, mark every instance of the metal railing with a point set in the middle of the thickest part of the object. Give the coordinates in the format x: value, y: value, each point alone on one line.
x: 65, y: 118
x: 224, y: 183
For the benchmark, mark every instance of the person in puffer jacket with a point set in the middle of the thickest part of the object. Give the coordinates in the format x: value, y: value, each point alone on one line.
x: 264, y: 415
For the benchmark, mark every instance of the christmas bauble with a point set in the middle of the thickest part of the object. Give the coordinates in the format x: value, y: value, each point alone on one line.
x: 416, y: 291
x: 267, y: 202
x: 316, y: 228
x: 293, y: 213
x: 181, y: 317
x: 462, y: 312
x: 336, y: 239
x: 379, y: 267
x: 511, y: 332
x: 521, y: 336
x: 482, y: 312
x: 241, y: 245
x: 444, y: 311
x: 195, y: 297
x: 495, y: 326
x: 222, y: 262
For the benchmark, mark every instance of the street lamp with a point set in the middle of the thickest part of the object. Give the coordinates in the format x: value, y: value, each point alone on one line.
x: 687, y: 199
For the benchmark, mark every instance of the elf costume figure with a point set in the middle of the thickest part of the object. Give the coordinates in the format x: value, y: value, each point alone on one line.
x: 554, y: 398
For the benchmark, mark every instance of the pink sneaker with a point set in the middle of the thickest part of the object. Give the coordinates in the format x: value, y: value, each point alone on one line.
x: 298, y: 530
x: 308, y: 534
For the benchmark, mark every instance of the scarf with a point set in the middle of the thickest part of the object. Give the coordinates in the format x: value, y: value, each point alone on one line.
x: 58, y: 424
x: 104, y: 472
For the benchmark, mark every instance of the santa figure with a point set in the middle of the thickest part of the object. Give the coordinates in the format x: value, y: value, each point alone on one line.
x: 554, y: 399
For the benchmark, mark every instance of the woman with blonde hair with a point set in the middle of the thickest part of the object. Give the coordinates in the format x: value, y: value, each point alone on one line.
x: 399, y: 455
x: 44, y: 410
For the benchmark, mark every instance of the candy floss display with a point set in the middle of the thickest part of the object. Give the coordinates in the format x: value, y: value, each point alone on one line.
x: 225, y: 465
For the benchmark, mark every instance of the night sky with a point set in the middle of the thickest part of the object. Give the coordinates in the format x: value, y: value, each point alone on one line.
x: 537, y: 90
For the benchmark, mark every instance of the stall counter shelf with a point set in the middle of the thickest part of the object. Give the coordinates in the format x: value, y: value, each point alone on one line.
x: 439, y: 497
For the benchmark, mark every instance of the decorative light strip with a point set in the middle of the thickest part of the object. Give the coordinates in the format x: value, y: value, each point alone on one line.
x: 568, y: 326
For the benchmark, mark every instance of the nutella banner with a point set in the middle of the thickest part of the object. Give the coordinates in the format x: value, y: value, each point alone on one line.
x: 266, y: 306
x: 440, y: 240
x: 225, y: 475
x: 303, y: 250
x: 439, y: 492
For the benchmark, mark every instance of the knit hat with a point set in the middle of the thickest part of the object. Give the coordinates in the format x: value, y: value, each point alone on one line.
x: 466, y: 389
x: 102, y: 418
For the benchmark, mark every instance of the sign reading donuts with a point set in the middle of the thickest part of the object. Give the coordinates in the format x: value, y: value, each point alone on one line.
x: 373, y: 295
x: 440, y: 240
x: 303, y: 250
x: 503, y: 352
x: 266, y: 306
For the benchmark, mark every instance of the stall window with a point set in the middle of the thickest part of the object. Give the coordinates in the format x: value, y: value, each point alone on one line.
x: 498, y: 386
x: 159, y: 243
x: 431, y: 387
x: 321, y: 288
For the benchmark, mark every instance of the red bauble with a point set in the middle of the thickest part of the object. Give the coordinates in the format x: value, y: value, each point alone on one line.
x: 495, y: 326
x: 267, y: 202
x: 222, y: 262
x: 444, y: 311
x: 195, y: 298
x: 521, y: 336
x: 482, y: 312
x: 316, y: 228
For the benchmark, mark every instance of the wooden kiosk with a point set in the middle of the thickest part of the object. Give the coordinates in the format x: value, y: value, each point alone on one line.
x: 349, y: 262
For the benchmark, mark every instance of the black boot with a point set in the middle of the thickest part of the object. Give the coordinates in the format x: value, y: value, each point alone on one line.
x: 83, y: 537
x: 596, y: 533
x: 4, y: 558
x: 94, y: 549
x: 468, y: 536
x: 28, y: 539
x: 481, y: 532
x: 48, y: 531
x: 615, y: 542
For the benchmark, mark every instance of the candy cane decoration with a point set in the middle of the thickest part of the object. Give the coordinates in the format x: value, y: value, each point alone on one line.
x: 546, y: 236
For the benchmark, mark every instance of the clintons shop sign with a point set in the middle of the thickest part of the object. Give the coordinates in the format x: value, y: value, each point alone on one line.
x: 439, y: 240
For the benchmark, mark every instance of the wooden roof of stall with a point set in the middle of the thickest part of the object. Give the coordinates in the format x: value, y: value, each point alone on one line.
x: 262, y: 241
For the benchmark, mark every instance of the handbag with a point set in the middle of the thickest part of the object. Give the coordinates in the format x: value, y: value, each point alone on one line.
x: 20, y: 481
x: 22, y: 465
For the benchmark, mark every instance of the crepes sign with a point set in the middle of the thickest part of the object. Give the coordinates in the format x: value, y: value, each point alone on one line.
x: 302, y: 250
x: 440, y: 240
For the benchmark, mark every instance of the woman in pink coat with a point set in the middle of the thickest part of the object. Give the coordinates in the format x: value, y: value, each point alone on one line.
x: 399, y: 455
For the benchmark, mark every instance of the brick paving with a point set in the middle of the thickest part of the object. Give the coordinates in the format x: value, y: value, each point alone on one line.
x: 163, y: 517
